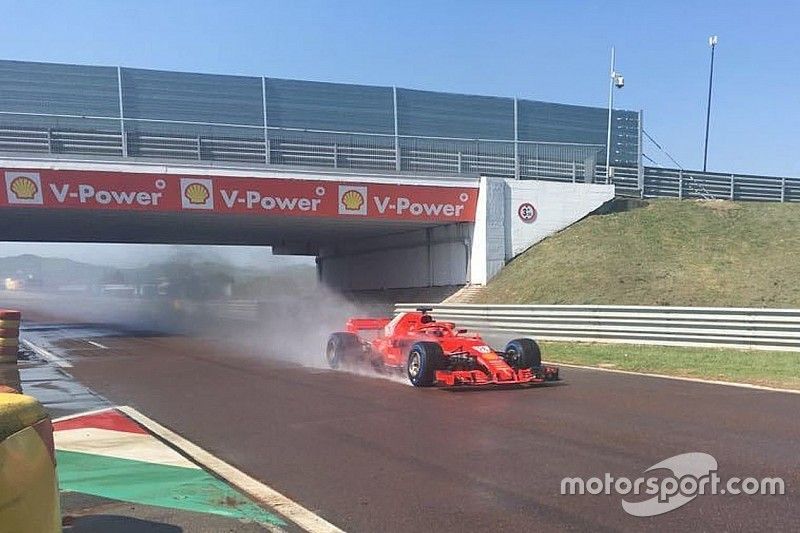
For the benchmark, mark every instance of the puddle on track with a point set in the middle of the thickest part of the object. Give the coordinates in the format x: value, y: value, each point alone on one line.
x: 58, y: 391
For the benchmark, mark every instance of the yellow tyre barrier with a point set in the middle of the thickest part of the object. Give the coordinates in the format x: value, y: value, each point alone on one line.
x: 9, y: 335
x: 29, y: 499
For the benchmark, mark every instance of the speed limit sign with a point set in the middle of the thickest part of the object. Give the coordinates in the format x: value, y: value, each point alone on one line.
x: 526, y: 212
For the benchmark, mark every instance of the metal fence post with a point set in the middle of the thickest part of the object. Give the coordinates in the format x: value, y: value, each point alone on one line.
x: 574, y: 171
x: 459, y: 161
x: 640, y: 158
x: 516, y: 139
x: 122, y: 137
x: 397, y: 158
x: 335, y: 155
x: 733, y: 185
x: 267, y: 155
x: 783, y: 189
x: 680, y: 184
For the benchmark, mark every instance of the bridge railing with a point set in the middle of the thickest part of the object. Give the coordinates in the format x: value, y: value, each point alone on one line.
x: 688, y: 184
x: 763, y: 329
x: 210, y: 142
x: 105, y: 137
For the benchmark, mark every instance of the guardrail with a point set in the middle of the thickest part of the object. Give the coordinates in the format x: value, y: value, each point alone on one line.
x: 690, y: 184
x: 762, y: 329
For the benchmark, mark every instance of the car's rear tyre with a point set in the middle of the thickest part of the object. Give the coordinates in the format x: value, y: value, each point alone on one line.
x: 523, y: 353
x: 341, y: 347
x: 424, y: 359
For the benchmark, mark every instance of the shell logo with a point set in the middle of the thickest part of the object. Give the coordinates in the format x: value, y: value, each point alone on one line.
x: 24, y: 188
x: 196, y: 193
x: 352, y: 200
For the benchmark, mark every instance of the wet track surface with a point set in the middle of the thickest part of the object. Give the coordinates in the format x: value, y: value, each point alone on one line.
x: 371, y: 454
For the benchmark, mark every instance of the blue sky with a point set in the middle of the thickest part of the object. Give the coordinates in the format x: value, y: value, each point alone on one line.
x: 545, y: 50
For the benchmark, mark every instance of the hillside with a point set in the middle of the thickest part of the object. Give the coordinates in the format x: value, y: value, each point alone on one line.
x: 694, y: 253
x: 189, y: 273
x: 51, y: 271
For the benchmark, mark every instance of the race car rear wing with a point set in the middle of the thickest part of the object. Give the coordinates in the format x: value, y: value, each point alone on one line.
x: 356, y: 325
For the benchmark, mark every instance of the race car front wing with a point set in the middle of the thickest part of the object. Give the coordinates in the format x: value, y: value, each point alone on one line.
x: 451, y: 378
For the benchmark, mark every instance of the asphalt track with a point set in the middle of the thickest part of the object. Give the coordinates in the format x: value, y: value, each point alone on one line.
x: 370, y: 454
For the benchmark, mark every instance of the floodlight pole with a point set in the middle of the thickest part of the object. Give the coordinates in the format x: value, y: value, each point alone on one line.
x: 712, y: 41
x: 611, y: 77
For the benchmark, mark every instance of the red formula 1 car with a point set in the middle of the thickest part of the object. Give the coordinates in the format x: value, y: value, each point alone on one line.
x: 435, y: 353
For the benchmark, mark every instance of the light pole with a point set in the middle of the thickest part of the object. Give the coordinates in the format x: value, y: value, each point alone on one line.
x: 617, y: 80
x: 712, y: 42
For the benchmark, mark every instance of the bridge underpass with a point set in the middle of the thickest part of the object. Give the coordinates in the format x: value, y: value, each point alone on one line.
x: 296, y: 236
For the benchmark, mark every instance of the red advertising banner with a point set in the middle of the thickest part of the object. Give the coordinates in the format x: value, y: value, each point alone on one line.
x: 79, y: 189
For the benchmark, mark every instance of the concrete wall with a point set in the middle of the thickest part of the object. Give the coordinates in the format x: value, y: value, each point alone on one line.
x: 557, y: 205
x: 488, y: 245
x: 514, y: 215
x: 436, y: 256
x: 463, y: 253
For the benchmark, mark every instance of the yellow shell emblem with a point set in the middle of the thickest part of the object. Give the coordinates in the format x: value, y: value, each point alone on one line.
x: 196, y: 193
x: 24, y: 188
x: 352, y: 200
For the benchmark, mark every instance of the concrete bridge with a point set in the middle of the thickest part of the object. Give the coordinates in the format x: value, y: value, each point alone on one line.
x: 368, y: 230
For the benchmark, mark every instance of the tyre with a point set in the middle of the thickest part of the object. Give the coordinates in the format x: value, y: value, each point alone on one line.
x: 341, y: 346
x: 523, y: 353
x: 424, y: 359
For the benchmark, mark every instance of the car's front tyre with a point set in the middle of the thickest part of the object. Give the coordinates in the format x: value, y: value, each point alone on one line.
x: 523, y: 354
x: 424, y: 359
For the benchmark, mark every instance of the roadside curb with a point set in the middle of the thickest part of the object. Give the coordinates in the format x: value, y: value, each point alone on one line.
x: 107, y: 454
x: 262, y: 493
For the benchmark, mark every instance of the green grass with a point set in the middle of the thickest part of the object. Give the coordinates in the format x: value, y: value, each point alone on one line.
x: 671, y: 252
x: 776, y: 369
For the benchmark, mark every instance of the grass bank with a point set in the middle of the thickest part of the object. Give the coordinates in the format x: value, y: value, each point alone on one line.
x: 775, y: 369
x: 692, y: 253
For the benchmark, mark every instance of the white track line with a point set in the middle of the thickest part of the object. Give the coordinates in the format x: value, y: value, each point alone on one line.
x: 97, y: 344
x: 85, y: 413
x: 681, y: 378
x: 46, y: 355
x: 290, y: 509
